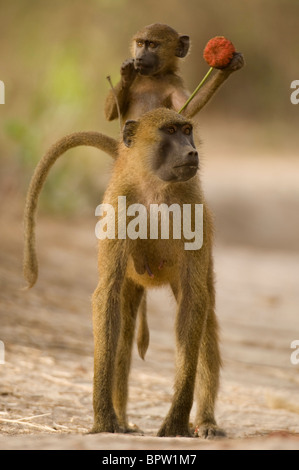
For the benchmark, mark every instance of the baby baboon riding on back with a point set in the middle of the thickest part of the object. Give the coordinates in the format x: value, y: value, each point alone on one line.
x: 155, y: 164
x: 150, y: 78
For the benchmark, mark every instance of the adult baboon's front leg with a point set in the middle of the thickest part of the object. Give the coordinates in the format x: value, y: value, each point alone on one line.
x: 190, y: 323
x: 106, y: 328
x: 209, y: 363
x: 131, y: 297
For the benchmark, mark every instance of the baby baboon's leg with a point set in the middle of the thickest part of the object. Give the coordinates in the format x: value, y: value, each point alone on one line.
x: 209, y: 363
x: 106, y: 328
x: 190, y: 322
x: 131, y: 297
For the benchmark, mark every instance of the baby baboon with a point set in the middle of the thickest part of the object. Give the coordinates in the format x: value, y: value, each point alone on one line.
x: 149, y: 79
x: 156, y: 165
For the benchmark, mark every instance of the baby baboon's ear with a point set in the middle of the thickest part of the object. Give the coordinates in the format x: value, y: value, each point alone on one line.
x: 182, y: 47
x: 129, y: 131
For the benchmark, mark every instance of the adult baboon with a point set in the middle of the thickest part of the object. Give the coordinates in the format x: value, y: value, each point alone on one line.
x: 157, y: 164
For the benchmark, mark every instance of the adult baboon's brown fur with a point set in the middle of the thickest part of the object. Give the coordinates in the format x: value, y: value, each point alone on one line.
x: 121, y: 284
x: 157, y: 163
x: 94, y: 139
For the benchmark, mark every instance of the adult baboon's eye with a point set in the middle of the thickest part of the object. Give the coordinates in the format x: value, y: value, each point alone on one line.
x: 152, y: 45
x: 171, y: 130
x: 187, y: 130
x: 139, y: 43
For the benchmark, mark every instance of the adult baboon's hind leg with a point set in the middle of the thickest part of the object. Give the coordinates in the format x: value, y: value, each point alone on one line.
x: 131, y: 297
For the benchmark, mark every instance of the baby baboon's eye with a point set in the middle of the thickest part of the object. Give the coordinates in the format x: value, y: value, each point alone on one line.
x: 171, y: 130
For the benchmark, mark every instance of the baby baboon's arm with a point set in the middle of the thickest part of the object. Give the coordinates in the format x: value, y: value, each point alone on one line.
x: 207, y: 91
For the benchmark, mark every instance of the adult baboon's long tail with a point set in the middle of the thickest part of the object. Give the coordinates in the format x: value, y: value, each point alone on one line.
x: 94, y: 139
x: 143, y: 331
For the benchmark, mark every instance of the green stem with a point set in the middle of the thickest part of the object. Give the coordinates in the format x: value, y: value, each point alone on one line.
x: 196, y: 90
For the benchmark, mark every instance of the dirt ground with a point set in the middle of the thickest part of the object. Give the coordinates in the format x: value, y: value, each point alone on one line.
x: 46, y: 380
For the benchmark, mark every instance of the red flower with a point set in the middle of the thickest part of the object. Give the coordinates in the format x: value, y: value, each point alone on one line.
x: 219, y: 52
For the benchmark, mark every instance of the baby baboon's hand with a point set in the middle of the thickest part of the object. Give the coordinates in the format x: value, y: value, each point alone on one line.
x: 236, y: 63
x: 128, y: 71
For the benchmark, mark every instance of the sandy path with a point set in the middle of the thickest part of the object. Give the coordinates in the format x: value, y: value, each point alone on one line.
x: 46, y: 381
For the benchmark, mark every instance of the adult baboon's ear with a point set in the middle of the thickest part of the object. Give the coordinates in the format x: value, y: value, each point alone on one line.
x: 129, y: 131
x: 183, y: 46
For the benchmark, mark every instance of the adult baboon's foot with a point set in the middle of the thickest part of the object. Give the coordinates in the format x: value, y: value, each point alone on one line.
x: 209, y: 431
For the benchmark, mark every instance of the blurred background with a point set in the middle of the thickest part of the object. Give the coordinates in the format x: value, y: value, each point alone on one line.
x: 55, y: 57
